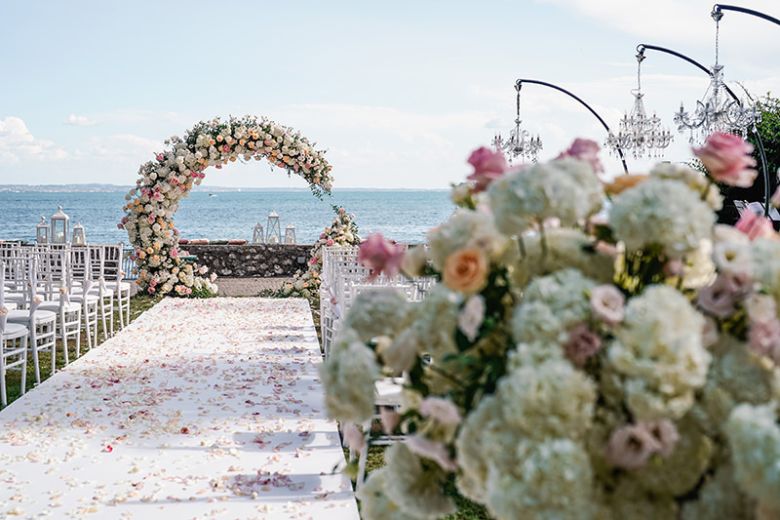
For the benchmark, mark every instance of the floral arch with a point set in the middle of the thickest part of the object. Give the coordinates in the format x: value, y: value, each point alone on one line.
x: 169, y: 178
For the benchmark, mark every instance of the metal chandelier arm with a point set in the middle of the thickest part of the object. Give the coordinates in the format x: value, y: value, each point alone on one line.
x: 717, y: 12
x: 519, y: 84
x: 641, y: 50
x: 761, y: 153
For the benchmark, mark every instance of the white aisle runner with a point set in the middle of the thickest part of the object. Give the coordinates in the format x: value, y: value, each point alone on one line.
x: 200, y: 409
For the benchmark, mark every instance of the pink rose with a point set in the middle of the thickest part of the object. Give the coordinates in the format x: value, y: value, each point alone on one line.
x: 174, y: 253
x: 582, y: 344
x: 380, y: 255
x: 754, y: 226
x: 329, y: 242
x: 488, y: 165
x: 160, y: 157
x: 584, y: 150
x: 727, y: 158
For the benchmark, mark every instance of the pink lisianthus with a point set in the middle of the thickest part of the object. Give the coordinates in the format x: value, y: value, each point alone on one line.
x: 720, y: 298
x: 727, y: 159
x: 607, y: 304
x: 380, y: 255
x: 754, y: 226
x: 329, y: 242
x: 582, y: 344
x: 584, y: 150
x: 488, y: 165
x: 764, y: 338
x: 436, y: 451
x: 174, y: 253
x: 631, y: 446
x: 390, y: 419
x: 440, y: 410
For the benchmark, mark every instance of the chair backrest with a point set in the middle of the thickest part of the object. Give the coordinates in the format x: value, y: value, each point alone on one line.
x: 113, y: 257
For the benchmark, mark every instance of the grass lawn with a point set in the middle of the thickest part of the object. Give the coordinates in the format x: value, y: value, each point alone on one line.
x: 138, y: 304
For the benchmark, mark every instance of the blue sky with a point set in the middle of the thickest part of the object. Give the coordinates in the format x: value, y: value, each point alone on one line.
x: 397, y: 92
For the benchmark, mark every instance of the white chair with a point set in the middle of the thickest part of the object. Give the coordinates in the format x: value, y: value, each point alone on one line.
x: 114, y: 276
x: 40, y: 323
x: 68, y: 312
x: 13, y: 352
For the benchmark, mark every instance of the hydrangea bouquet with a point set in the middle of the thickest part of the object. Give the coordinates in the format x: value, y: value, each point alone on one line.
x: 580, y: 358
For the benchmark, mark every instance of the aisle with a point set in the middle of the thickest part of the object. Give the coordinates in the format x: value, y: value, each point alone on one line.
x: 199, y: 409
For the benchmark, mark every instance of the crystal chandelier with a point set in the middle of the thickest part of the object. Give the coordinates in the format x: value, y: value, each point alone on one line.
x: 717, y: 112
x: 638, y: 133
x: 520, y: 143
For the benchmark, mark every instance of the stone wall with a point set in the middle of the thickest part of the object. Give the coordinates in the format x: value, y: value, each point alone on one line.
x: 252, y: 260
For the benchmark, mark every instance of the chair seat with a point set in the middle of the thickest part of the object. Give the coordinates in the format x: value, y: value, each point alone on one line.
x: 388, y: 391
x: 24, y: 316
x: 123, y: 286
x: 55, y: 306
x: 78, y: 298
x: 11, y: 305
x: 14, y: 331
x: 95, y: 290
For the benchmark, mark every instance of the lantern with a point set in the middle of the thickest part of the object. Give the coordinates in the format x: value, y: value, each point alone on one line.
x: 289, y: 234
x: 79, y: 238
x: 59, y: 227
x: 257, y: 234
x: 42, y: 231
x: 274, y: 233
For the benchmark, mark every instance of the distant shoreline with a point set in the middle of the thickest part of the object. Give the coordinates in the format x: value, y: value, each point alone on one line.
x: 114, y: 188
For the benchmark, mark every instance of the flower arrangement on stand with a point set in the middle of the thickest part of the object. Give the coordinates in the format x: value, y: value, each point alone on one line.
x: 169, y: 178
x: 578, y: 359
x: 343, y: 231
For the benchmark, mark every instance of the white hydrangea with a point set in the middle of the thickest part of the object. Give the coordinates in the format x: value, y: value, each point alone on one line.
x: 481, y: 434
x: 348, y: 376
x: 659, y: 354
x: 416, y: 488
x: 754, y: 438
x: 374, y: 503
x: 546, y: 401
x: 766, y: 265
x: 661, y: 212
x: 436, y: 321
x: 565, y: 248
x: 377, y: 312
x: 465, y: 228
x: 549, y: 479
x: 567, y: 190
x: 551, y: 305
x: 695, y: 180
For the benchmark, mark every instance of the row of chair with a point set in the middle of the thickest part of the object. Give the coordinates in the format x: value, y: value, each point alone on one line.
x: 54, y: 292
x: 343, y: 279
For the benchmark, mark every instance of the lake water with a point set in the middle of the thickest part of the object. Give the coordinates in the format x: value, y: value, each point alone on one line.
x: 398, y: 214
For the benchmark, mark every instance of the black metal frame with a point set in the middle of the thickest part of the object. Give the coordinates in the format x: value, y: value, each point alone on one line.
x: 519, y: 85
x: 761, y: 153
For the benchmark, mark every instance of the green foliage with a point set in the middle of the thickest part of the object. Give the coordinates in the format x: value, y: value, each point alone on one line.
x: 769, y: 128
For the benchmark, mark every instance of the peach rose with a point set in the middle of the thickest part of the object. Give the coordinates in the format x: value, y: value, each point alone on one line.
x: 466, y: 271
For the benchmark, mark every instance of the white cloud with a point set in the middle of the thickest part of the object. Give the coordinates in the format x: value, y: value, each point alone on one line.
x: 123, y: 146
x: 76, y: 120
x: 678, y: 21
x: 17, y: 143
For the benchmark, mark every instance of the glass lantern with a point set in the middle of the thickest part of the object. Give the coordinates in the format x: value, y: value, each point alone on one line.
x: 79, y: 237
x: 274, y: 234
x: 257, y: 234
x: 59, y: 227
x: 42, y: 232
x: 289, y: 234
